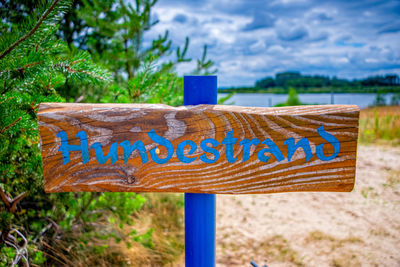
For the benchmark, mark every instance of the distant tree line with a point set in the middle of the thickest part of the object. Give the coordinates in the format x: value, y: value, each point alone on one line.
x: 297, y: 80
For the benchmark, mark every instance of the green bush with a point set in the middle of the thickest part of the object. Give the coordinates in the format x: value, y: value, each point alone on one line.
x: 36, y: 66
x: 293, y: 99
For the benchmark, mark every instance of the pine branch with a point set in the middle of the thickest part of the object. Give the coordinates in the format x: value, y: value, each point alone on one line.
x: 27, y: 66
x: 10, y: 125
x: 8, y: 99
x: 71, y: 70
x: 29, y: 34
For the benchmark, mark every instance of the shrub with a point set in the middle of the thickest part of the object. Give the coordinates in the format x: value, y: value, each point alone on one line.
x: 35, y: 67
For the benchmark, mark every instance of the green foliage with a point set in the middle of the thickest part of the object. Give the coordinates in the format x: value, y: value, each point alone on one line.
x: 145, y: 239
x: 7, y: 254
x: 380, y: 124
x: 314, y: 90
x: 112, y: 31
x: 37, y: 66
x: 380, y: 99
x: 167, y: 212
x: 33, y: 65
x: 226, y: 98
x: 38, y: 258
x: 203, y: 65
x: 281, y: 83
x: 395, y: 99
x: 149, y: 85
x: 293, y: 99
x: 297, y: 80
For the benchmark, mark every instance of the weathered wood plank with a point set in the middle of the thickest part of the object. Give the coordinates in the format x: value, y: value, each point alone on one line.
x: 179, y: 146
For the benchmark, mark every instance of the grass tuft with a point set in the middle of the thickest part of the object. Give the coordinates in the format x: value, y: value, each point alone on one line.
x: 380, y: 125
x: 158, y: 238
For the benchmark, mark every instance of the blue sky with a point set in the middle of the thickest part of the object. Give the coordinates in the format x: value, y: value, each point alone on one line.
x: 251, y: 39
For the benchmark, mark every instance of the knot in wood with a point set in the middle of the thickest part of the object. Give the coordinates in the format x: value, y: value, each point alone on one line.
x: 130, y: 179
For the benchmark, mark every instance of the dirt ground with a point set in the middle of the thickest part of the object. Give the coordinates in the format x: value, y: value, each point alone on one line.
x: 361, y: 228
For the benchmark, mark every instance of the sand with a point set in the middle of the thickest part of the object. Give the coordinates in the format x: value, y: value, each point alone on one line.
x: 360, y: 228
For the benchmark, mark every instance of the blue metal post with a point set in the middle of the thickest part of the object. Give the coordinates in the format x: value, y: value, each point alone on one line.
x: 200, y: 208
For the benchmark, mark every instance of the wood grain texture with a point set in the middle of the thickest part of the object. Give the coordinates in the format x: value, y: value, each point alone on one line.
x: 110, y: 123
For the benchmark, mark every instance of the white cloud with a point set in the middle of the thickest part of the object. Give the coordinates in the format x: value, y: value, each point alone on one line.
x: 249, y: 40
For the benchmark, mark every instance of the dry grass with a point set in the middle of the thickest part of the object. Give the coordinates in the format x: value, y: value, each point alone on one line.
x: 275, y: 249
x: 380, y: 125
x: 278, y: 249
x: 346, y: 259
x: 318, y: 236
x: 393, y: 179
x: 163, y: 213
x: 339, y: 249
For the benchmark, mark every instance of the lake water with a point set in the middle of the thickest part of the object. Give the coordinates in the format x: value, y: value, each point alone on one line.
x: 269, y: 100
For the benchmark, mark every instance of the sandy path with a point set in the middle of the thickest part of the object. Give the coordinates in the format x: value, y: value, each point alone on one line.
x: 361, y: 228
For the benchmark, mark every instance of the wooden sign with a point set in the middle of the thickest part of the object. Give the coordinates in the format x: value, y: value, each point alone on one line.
x: 200, y: 149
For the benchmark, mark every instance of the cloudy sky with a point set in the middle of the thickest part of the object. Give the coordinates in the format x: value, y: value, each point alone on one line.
x: 251, y: 39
